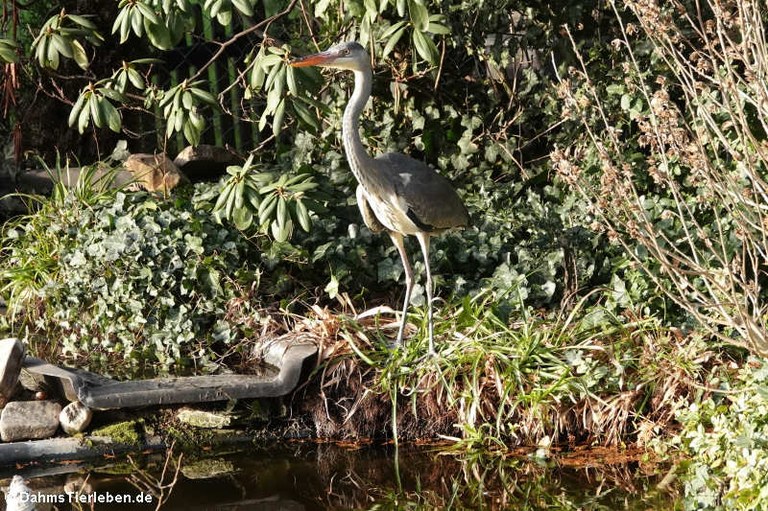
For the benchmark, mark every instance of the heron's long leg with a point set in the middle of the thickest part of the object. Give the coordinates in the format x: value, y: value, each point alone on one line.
x: 397, y: 240
x: 424, y: 242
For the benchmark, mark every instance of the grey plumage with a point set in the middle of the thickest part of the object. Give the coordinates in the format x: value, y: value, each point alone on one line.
x: 396, y: 193
x: 427, y: 194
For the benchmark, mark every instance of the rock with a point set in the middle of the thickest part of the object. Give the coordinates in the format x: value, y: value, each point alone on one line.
x: 11, y: 357
x: 203, y: 419
x: 34, y: 382
x: 29, y: 420
x: 75, y: 417
x: 205, y: 162
x: 154, y: 172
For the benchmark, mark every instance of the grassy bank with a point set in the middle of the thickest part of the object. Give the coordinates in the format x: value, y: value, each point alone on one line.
x: 588, y: 377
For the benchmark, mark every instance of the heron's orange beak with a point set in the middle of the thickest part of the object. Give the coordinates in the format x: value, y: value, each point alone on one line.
x: 318, y: 59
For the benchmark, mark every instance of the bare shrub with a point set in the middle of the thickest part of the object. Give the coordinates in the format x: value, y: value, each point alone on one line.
x: 676, y: 155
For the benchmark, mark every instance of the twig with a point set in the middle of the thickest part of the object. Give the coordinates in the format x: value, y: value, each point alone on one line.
x: 223, y: 46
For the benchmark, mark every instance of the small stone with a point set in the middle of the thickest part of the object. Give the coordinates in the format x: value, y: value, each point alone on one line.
x: 32, y: 381
x: 29, y: 420
x: 11, y: 357
x: 203, y: 419
x: 75, y: 418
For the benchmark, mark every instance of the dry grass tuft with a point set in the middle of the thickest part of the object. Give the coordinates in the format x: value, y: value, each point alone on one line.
x: 566, y: 381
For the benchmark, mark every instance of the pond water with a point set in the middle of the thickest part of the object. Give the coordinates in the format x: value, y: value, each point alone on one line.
x: 309, y: 476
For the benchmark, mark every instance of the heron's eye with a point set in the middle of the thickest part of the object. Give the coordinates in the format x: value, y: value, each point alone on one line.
x: 346, y: 52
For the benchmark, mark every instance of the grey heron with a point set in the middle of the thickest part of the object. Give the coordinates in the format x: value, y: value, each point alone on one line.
x: 395, y: 193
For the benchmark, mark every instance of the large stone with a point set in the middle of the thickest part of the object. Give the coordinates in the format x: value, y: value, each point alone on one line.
x: 75, y: 417
x: 11, y: 357
x: 154, y: 172
x: 205, y: 162
x: 29, y: 420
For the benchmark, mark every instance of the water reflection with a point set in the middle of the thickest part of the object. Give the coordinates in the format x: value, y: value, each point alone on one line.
x: 310, y: 476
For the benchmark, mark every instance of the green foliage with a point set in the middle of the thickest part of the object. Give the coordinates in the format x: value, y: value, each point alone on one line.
x: 30, y: 249
x: 163, y: 288
x: 8, y: 51
x: 725, y: 436
x: 94, y: 105
x: 270, y: 74
x: 129, y: 73
x: 164, y: 23
x: 273, y: 203
x: 180, y: 109
x: 450, y: 89
x: 459, y: 103
x: 468, y: 87
x: 134, y: 278
x: 59, y: 38
x: 149, y: 26
x: 501, y: 381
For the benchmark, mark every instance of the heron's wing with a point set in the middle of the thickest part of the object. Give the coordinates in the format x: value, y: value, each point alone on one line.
x: 432, y: 202
x: 369, y: 217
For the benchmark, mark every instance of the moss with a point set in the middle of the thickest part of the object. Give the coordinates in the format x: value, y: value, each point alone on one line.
x: 185, y: 437
x: 203, y: 419
x: 126, y: 432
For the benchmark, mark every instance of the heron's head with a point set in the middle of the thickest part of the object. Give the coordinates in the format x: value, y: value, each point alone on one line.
x: 350, y: 55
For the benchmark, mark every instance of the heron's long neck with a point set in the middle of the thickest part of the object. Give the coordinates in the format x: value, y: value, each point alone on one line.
x: 350, y: 130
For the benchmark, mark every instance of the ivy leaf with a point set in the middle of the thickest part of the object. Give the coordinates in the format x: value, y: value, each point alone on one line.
x: 332, y: 288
